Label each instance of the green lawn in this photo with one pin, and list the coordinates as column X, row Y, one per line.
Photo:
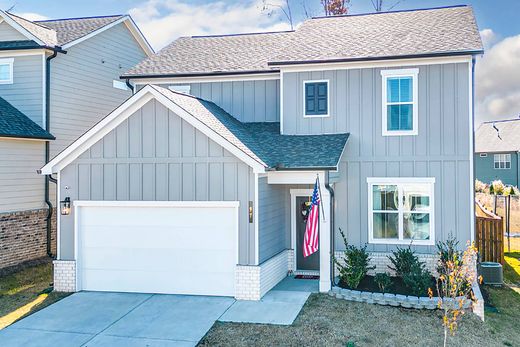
column 26, row 292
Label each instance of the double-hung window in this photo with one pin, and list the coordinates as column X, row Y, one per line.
column 400, row 107
column 401, row 210
column 502, row 161
column 6, row 71
column 316, row 98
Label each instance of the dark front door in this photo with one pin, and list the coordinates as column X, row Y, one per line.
column 312, row 262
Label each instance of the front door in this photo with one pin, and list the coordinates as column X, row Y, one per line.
column 312, row 262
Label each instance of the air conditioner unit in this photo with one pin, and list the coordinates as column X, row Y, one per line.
column 491, row 273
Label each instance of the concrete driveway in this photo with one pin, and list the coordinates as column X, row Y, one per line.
column 118, row 319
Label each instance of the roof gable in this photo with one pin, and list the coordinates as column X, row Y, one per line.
column 42, row 35
column 498, row 136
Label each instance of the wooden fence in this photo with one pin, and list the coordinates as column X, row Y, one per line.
column 489, row 236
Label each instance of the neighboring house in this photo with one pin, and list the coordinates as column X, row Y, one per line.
column 497, row 144
column 206, row 193
column 57, row 79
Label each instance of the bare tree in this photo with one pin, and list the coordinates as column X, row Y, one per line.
column 285, row 7
column 335, row 7
column 379, row 5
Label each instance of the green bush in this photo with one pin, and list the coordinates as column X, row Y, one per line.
column 354, row 265
column 403, row 260
column 383, row 281
column 447, row 251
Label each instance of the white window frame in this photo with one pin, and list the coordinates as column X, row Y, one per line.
column 502, row 158
column 399, row 182
column 328, row 99
column 483, row 155
column 414, row 74
column 10, row 63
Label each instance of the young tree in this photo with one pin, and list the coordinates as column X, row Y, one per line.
column 284, row 6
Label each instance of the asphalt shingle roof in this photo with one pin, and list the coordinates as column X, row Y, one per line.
column 20, row 44
column 263, row 141
column 448, row 30
column 14, row 123
column 68, row 30
column 498, row 136
column 44, row 33
column 213, row 54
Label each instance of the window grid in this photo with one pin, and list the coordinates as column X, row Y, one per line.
column 502, row 161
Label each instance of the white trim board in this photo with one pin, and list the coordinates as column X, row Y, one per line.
column 204, row 79
column 368, row 64
column 294, row 194
column 124, row 111
column 129, row 24
column 304, row 99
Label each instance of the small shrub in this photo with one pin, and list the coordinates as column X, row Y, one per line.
column 383, row 281
column 497, row 187
column 481, row 187
column 403, row 260
column 355, row 264
column 418, row 280
column 447, row 251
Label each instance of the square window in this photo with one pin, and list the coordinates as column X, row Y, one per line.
column 316, row 98
column 400, row 102
column 6, row 71
column 502, row 161
column 401, row 210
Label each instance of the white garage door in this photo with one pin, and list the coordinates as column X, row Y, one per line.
column 157, row 247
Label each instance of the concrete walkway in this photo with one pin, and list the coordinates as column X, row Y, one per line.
column 279, row 306
column 118, row 319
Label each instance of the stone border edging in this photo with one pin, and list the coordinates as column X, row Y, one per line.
column 387, row 299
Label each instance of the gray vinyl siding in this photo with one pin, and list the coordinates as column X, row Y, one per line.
column 485, row 169
column 21, row 188
column 248, row 101
column 155, row 155
column 81, row 82
column 440, row 150
column 273, row 218
column 8, row 33
column 26, row 92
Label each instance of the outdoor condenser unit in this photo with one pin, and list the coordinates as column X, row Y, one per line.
column 491, row 273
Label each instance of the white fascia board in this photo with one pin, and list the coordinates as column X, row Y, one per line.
column 131, row 27
column 21, row 29
column 376, row 64
column 23, row 52
column 205, row 79
column 294, row 177
column 124, row 111
column 185, row 204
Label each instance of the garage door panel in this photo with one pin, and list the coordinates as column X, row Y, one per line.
column 175, row 250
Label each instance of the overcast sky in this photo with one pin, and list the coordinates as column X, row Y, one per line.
column 498, row 72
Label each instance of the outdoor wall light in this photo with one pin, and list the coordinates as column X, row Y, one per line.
column 65, row 206
column 250, row 212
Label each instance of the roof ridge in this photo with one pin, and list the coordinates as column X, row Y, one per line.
column 501, row 120
column 30, row 21
column 79, row 18
column 394, row 11
column 240, row 34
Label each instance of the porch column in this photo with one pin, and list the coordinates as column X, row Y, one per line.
column 325, row 235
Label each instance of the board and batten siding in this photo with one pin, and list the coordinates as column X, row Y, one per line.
column 441, row 149
column 248, row 101
column 273, row 219
column 26, row 91
column 82, row 89
column 155, row 155
column 8, row 33
column 21, row 188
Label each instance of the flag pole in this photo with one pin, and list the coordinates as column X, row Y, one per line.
column 319, row 192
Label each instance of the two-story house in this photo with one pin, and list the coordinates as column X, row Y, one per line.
column 497, row 144
column 200, row 182
column 57, row 79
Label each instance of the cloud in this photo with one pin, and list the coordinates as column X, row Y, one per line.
column 488, row 37
column 498, row 81
column 162, row 21
column 32, row 16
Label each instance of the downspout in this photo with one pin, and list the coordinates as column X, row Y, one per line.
column 129, row 85
column 332, row 237
column 48, row 178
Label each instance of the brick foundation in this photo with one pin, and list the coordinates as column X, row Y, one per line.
column 253, row 282
column 381, row 261
column 64, row 275
column 23, row 236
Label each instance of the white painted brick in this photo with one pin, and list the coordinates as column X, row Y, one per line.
column 64, row 275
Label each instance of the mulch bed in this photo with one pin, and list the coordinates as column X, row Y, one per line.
column 398, row 287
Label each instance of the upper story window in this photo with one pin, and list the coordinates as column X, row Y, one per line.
column 502, row 161
column 400, row 108
column 316, row 98
column 401, row 210
column 6, row 71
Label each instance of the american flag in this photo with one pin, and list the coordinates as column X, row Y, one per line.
column 310, row 239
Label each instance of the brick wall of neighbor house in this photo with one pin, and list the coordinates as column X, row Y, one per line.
column 64, row 275
column 23, row 236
